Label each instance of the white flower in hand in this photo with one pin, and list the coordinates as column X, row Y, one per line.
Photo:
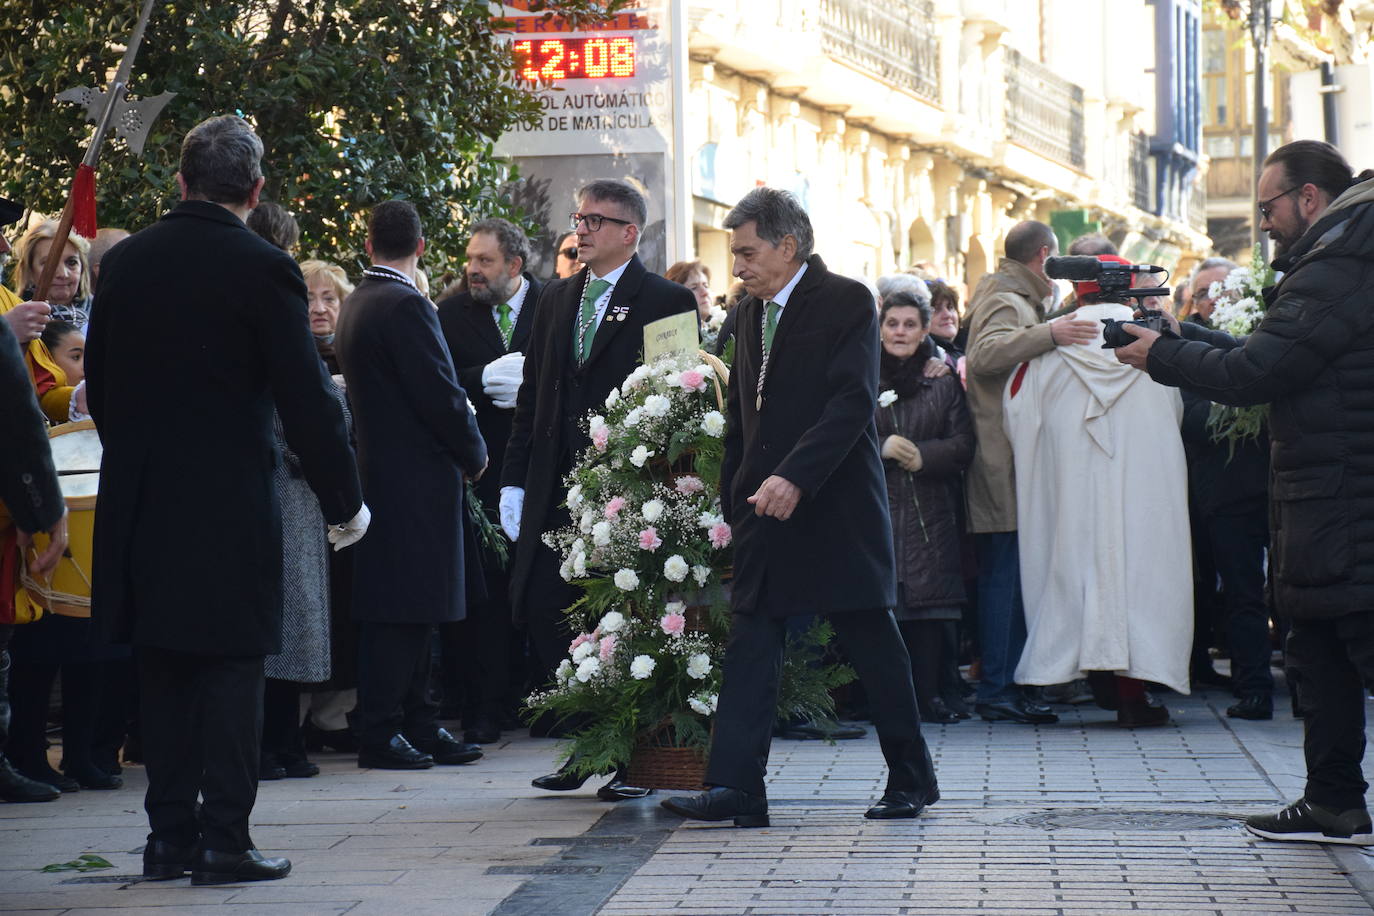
column 887, row 398
column 626, row 580
column 642, row 667
column 698, row 665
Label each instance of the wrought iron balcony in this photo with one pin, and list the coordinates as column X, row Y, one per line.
column 1140, row 172
column 895, row 40
column 1044, row 110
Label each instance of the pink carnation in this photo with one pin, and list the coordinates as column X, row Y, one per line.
column 688, row 485
column 582, row 637
column 692, row 380
column 607, row 648
column 720, row 535
column 649, row 539
column 673, row 624
column 614, row 506
column 601, row 437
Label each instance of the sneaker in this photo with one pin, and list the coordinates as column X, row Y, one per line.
column 1304, row 822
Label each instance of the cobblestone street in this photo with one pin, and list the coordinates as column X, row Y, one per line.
column 1075, row 818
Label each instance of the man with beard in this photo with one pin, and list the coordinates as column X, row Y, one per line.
column 487, row 328
column 1312, row 360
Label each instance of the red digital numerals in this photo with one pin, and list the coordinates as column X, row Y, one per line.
column 574, row 58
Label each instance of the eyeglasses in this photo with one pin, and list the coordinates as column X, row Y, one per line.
column 594, row 221
column 570, row 253
column 1267, row 206
column 1200, row 295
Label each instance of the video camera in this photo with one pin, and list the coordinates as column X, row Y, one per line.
column 1114, row 281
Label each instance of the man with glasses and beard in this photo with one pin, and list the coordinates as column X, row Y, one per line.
column 1312, row 360
column 588, row 336
column 487, row 328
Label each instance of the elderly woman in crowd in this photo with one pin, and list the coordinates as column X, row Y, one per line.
column 927, row 442
column 69, row 296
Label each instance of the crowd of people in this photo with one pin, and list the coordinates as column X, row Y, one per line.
column 1040, row 517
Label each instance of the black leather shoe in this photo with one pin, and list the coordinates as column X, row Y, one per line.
column 269, row 769
column 1144, row 713
column 396, row 754
column 1255, row 706
column 896, row 804
column 721, row 804
column 448, row 750
column 936, row 712
column 565, row 780
column 1014, row 710
column 619, row 790
column 48, row 776
column 16, row 787
column 297, row 767
column 164, row 861
column 211, row 867
column 92, row 777
column 811, row 729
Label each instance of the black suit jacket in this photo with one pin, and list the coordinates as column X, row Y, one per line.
column 202, row 329
column 416, row 439
column 473, row 341
column 557, row 395
column 28, row 482
column 816, row 429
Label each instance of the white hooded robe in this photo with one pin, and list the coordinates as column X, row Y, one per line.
column 1102, row 503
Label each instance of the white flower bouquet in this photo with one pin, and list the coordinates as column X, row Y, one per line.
column 1238, row 311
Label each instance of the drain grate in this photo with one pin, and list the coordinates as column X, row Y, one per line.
column 1116, row 819
column 544, row 870
column 602, row 841
column 103, row 879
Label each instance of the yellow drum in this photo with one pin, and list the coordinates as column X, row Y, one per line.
column 76, row 455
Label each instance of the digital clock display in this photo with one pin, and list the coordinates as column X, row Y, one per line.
column 575, row 58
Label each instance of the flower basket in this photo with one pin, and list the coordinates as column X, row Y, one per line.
column 655, row 767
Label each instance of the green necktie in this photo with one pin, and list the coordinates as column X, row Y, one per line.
column 770, row 325
column 503, row 322
column 586, row 331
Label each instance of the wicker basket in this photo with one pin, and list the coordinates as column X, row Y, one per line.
column 667, row 767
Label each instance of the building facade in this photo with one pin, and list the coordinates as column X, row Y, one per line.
column 923, row 130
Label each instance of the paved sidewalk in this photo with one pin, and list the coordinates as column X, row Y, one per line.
column 1075, row 818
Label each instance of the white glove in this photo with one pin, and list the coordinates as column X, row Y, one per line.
column 501, row 379
column 512, row 504
column 351, row 531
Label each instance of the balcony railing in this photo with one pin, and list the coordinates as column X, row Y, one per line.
column 1140, row 172
column 1044, row 110
column 895, row 40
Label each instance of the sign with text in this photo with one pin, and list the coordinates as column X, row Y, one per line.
column 675, row 336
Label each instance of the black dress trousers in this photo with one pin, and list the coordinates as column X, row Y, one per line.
column 394, row 665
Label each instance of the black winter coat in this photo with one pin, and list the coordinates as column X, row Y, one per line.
column 1312, row 359
column 815, row 430
column 28, row 481
column 926, row 524
column 187, row 524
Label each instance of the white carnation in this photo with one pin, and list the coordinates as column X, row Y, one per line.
column 564, row 672
column 566, row 570
column 676, row 568
column 698, row 665
column 706, row 371
column 626, row 580
column 887, row 398
column 710, row 519
column 633, row 417
column 699, row 706
column 612, row 621
column 656, row 405
column 588, row 668
column 640, row 455
column 601, row 534
column 584, row 524
column 579, row 567
column 585, row 648
column 612, row 398
column 642, row 667
column 713, row 424
column 575, row 497
column 652, row 511
column 596, row 423
column 675, row 607
column 702, row 574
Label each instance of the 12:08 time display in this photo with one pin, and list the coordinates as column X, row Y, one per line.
column 575, row 58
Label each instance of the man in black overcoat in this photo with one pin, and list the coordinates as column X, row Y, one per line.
column 588, row 336
column 417, row 439
column 487, row 327
column 202, row 329
column 802, row 487
column 29, row 494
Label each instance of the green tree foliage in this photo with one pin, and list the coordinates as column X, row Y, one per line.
column 357, row 101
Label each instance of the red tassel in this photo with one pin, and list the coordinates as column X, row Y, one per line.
column 83, row 202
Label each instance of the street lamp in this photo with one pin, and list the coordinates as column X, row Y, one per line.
column 1260, row 20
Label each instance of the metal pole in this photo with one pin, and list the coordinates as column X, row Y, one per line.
column 1259, row 36
column 1330, row 120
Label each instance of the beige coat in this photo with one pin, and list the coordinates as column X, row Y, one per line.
column 1006, row 322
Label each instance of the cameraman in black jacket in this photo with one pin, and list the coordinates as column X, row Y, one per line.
column 1312, row 360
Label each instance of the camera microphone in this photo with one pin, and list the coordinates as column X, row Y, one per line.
column 1088, row 267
